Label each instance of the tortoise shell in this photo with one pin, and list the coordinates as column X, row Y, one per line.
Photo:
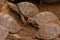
column 28, row 9
column 48, row 31
column 51, row 1
column 3, row 33
column 45, row 17
column 9, row 22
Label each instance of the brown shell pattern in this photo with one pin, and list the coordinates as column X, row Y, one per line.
column 48, row 31
column 28, row 9
column 45, row 17
column 9, row 22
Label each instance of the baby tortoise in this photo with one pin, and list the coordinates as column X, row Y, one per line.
column 3, row 33
column 48, row 31
column 9, row 22
column 50, row 1
column 28, row 9
column 25, row 9
column 42, row 18
column 45, row 17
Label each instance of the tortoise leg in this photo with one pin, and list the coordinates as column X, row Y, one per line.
column 23, row 20
column 30, row 20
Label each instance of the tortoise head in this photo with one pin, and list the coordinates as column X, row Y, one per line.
column 13, row 6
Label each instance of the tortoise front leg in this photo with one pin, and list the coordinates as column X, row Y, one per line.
column 31, row 20
column 23, row 19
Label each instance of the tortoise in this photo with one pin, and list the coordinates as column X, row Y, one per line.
column 48, row 31
column 45, row 17
column 42, row 18
column 9, row 22
column 25, row 9
column 51, row 1
column 3, row 33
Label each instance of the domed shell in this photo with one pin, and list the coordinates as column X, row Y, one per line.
column 45, row 17
column 48, row 31
column 9, row 22
column 28, row 9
